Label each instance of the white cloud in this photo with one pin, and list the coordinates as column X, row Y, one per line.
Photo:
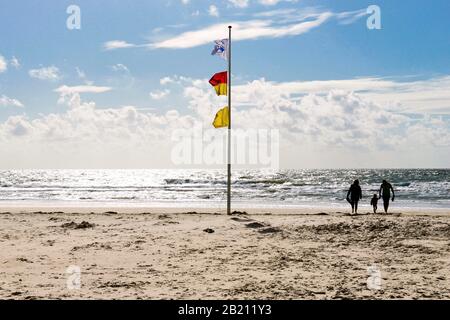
column 159, row 94
column 72, row 94
column 430, row 95
column 9, row 102
column 15, row 62
column 117, row 44
column 418, row 96
column 166, row 80
column 239, row 3
column 350, row 16
column 17, row 126
column 3, row 64
column 185, row 1
column 85, row 136
column 157, row 30
column 120, row 67
column 248, row 30
column 213, row 11
column 269, row 2
column 181, row 80
column 330, row 122
column 340, row 123
column 46, row 73
column 274, row 2
column 269, row 24
column 245, row 3
column 81, row 89
column 82, row 75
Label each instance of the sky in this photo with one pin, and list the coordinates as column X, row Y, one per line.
column 111, row 93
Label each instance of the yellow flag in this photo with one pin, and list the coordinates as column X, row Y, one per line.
column 221, row 119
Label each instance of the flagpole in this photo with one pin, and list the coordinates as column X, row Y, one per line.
column 229, row 124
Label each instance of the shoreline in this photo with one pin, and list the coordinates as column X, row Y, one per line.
column 298, row 210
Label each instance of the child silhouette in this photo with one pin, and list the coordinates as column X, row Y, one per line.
column 374, row 202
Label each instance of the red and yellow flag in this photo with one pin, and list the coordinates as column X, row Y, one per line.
column 220, row 81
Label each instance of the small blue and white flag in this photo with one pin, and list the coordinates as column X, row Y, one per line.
column 221, row 49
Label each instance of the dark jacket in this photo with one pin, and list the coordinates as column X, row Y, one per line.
column 354, row 192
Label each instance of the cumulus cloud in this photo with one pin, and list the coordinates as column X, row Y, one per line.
column 334, row 123
column 396, row 94
column 17, row 126
column 213, row 11
column 429, row 95
column 15, row 62
column 319, row 126
column 165, row 80
column 84, row 136
column 9, row 102
column 159, row 94
column 338, row 118
column 47, row 73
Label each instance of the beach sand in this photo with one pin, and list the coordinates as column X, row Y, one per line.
column 265, row 254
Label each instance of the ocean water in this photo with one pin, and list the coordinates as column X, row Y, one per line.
column 425, row 188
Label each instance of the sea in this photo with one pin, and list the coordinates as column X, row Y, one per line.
column 414, row 188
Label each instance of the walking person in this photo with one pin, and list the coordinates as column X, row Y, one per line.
column 354, row 194
column 374, row 203
column 385, row 194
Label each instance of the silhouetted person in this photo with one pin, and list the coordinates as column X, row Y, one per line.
column 385, row 194
column 354, row 194
column 374, row 203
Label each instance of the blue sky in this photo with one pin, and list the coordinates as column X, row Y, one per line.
column 413, row 47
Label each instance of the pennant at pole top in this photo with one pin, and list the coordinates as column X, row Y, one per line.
column 221, row 49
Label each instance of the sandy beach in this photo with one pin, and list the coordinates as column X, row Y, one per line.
column 190, row 254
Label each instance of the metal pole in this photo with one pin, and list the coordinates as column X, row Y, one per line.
column 229, row 124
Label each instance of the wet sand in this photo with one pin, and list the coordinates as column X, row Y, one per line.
column 264, row 254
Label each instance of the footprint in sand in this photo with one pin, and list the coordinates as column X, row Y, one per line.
column 240, row 219
column 262, row 228
column 255, row 225
column 270, row 230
